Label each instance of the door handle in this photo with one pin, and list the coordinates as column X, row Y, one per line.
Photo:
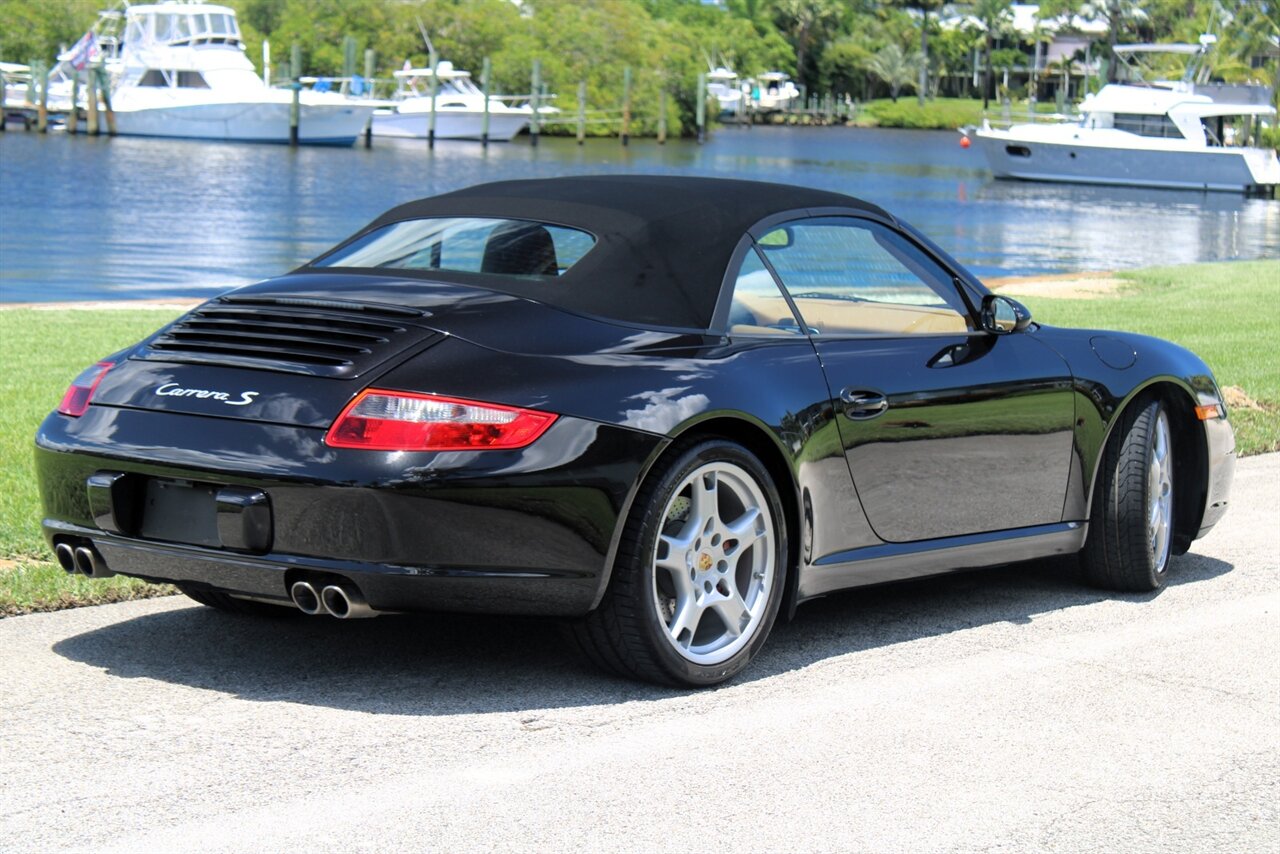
column 860, row 403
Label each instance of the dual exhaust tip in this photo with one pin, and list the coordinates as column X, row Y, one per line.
column 336, row 600
column 81, row 560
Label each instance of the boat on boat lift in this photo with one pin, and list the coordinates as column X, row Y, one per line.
column 1180, row 134
column 459, row 106
column 773, row 92
column 725, row 89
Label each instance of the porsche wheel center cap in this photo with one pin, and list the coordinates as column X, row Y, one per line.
column 704, row 562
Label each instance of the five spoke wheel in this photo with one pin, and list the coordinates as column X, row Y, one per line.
column 714, row 563
column 700, row 570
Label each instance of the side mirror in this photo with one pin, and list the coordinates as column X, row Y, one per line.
column 1002, row 315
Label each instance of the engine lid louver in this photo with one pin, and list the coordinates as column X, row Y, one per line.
column 317, row 337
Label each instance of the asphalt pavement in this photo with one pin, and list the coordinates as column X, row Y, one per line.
column 1005, row 710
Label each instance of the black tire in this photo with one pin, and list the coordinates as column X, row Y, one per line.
column 221, row 601
column 1119, row 553
column 627, row 635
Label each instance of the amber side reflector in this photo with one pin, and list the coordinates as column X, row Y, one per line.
column 1209, row 411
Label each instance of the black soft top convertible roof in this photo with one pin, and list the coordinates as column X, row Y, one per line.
column 663, row 242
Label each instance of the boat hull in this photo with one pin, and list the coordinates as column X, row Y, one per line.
column 318, row 124
column 1027, row 159
column 503, row 127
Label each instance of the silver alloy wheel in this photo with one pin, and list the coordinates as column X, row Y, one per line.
column 714, row 563
column 1160, row 494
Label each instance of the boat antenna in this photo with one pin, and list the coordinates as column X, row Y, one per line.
column 422, row 28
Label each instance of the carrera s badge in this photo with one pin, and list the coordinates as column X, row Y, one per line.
column 175, row 390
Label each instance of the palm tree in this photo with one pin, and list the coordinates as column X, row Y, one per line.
column 805, row 22
column 924, row 7
column 1114, row 12
column 895, row 67
column 993, row 15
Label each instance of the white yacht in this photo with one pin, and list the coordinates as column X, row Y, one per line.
column 1164, row 134
column 459, row 108
column 724, row 88
column 179, row 69
column 774, row 92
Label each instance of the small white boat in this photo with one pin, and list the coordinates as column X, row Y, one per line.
column 20, row 92
column 724, row 88
column 1162, row 134
column 179, row 70
column 774, row 91
column 17, row 83
column 459, row 108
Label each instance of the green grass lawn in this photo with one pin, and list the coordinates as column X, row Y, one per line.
column 44, row 351
column 1228, row 313
column 937, row 113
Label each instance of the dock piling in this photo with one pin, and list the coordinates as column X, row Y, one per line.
column 349, row 48
column 91, row 101
column 662, row 116
column 582, row 111
column 73, row 118
column 370, row 69
column 42, row 110
column 295, row 108
column 626, row 105
column 486, row 70
column 534, row 104
column 434, row 88
column 702, row 108
column 105, row 87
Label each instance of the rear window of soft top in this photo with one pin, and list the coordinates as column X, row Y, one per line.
column 497, row 247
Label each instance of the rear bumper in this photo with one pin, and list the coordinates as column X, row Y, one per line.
column 521, row 532
column 1220, row 445
column 386, row 587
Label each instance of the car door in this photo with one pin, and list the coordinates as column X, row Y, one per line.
column 947, row 430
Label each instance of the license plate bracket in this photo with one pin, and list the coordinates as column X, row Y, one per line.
column 180, row 511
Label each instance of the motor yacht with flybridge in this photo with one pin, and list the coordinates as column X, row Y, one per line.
column 178, row 69
column 1183, row 134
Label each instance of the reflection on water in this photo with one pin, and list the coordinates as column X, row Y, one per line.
column 88, row 218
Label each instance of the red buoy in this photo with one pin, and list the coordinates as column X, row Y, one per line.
column 964, row 142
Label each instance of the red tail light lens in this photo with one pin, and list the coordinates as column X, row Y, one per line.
column 76, row 400
column 380, row 420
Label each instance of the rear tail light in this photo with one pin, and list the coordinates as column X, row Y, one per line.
column 380, row 420
column 80, row 393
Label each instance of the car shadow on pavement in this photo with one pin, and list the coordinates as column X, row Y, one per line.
column 448, row 664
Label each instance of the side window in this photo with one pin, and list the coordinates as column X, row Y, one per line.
column 852, row 276
column 758, row 307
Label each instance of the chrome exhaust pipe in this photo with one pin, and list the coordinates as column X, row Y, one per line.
column 306, row 598
column 344, row 603
column 90, row 564
column 66, row 558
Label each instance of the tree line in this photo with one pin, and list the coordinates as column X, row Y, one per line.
column 857, row 48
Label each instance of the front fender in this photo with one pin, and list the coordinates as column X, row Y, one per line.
column 1110, row 371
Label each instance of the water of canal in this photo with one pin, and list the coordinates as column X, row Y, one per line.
column 84, row 218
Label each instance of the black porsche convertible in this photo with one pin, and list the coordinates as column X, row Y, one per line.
column 663, row 408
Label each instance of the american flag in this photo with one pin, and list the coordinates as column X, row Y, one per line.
column 81, row 53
